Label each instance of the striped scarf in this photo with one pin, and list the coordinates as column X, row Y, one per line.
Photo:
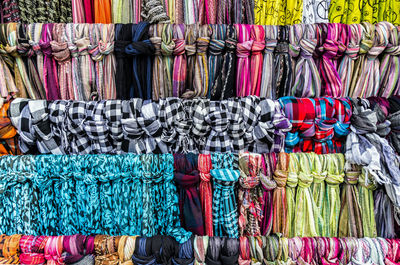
column 201, row 71
column 204, row 167
column 180, row 62
column 256, row 63
column 318, row 190
column 291, row 184
column 279, row 195
column 243, row 50
column 191, row 35
column 267, row 78
column 215, row 60
column 268, row 164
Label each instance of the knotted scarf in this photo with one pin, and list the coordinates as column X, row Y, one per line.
column 291, row 185
column 257, row 35
column 230, row 251
column 213, row 254
column 307, row 81
column 256, row 250
column 191, row 35
column 335, row 176
column 140, row 49
column 187, row 179
column 268, row 164
column 267, row 76
column 243, row 50
column 154, row 12
column 347, row 65
column 180, row 60
column 10, row 249
column 333, row 48
column 215, row 60
column 279, row 196
column 389, row 76
column 365, row 189
column 243, row 12
column 51, row 85
column 8, row 133
column 32, row 249
column 384, row 215
column 158, row 66
column 126, row 248
column 10, row 11
column 201, row 75
column 224, row 84
column 79, row 249
column 62, row 55
column 244, row 250
column 224, row 202
column 204, row 167
column 249, row 194
column 8, row 87
column 106, row 249
column 53, row 250
column 200, row 246
column 392, row 256
column 184, row 254
column 282, row 65
column 143, row 251
column 307, row 212
column 123, row 75
column 167, row 48
column 350, row 220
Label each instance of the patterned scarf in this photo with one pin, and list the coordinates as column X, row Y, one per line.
column 187, row 179
column 123, row 75
column 279, row 196
column 201, row 80
column 243, row 50
column 204, row 167
column 8, row 133
column 291, row 184
column 9, row 246
column 267, row 79
column 32, row 249
column 126, row 248
column 282, row 65
column 257, row 35
column 268, row 163
column 215, row 60
column 79, row 249
column 106, row 249
column 180, row 62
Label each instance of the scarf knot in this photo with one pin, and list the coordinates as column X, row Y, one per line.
column 305, row 180
column 331, row 48
column 270, row 46
column 11, row 49
column 366, row 181
column 45, row 46
column 60, row 51
column 180, row 47
column 202, row 45
column 393, row 50
column 319, row 177
column 156, row 41
column 230, row 44
column 352, row 51
column 190, row 49
column 200, row 246
column 292, row 180
column 105, row 249
column 144, row 47
column 82, row 46
column 307, row 47
column 9, row 249
column 167, row 48
column 53, row 250
column 258, row 47
column 282, row 47
column 334, row 179
column 281, row 177
column 294, row 50
column 267, row 183
column 243, row 49
column 32, row 249
column 216, row 47
column 126, row 247
column 365, row 45
column 119, row 48
column 25, row 49
column 351, row 177
column 375, row 51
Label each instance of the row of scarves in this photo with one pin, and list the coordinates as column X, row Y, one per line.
column 123, row 61
column 138, row 126
column 103, row 250
column 373, row 144
column 92, row 194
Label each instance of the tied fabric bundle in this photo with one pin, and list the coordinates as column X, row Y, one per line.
column 268, row 165
column 280, row 176
column 106, row 249
column 53, row 250
column 318, row 125
column 8, row 133
column 9, row 249
column 249, row 195
column 94, row 198
column 79, row 249
column 187, row 179
column 32, row 249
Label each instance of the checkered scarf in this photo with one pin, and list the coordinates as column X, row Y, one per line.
column 113, row 116
column 175, row 118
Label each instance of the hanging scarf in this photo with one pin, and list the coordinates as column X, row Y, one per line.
column 201, row 76
column 78, row 12
column 180, row 62
column 143, row 252
column 126, row 248
column 158, row 65
column 10, row 11
column 334, row 46
column 32, row 249
column 215, row 60
column 350, row 221
column 53, row 250
column 102, row 11
column 243, row 50
column 141, row 49
column 191, row 34
column 28, row 56
column 214, row 250
column 307, row 79
column 62, row 55
column 35, row 33
column 384, row 215
column 305, row 218
column 291, row 184
column 249, row 195
column 335, row 167
column 20, row 70
column 282, row 66
column 319, row 172
column 123, row 75
column 243, row 12
column 389, row 76
column 122, row 11
column 167, row 48
column 268, row 163
column 279, row 194
column 187, row 178
column 224, row 84
column 224, row 201
column 8, row 87
column 230, row 251
column 106, row 249
column 10, row 249
column 365, row 189
column 244, row 250
column 256, row 62
column 153, row 12
column 204, row 167
column 185, row 254
column 79, row 249
column 200, row 246
column 347, row 65
column 8, row 133
column 267, row 78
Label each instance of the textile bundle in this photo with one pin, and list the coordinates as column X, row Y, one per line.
column 103, row 249
column 138, row 126
column 157, row 61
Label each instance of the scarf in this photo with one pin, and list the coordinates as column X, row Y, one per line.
column 318, row 190
column 215, row 60
column 185, row 254
column 279, row 194
column 10, row 249
column 121, row 11
column 8, row 133
column 243, row 50
column 257, row 35
column 126, row 248
column 180, row 62
column 187, row 179
column 123, row 74
column 200, row 246
column 268, row 163
column 291, row 184
column 102, row 11
column 282, row 66
column 230, row 251
column 158, row 65
column 8, row 87
column 106, row 249
column 79, row 249
column 204, row 167
column 213, row 254
column 307, row 81
column 53, row 250
column 250, row 195
column 384, row 215
column 201, row 71
column 10, row 11
column 191, row 35
column 32, row 249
